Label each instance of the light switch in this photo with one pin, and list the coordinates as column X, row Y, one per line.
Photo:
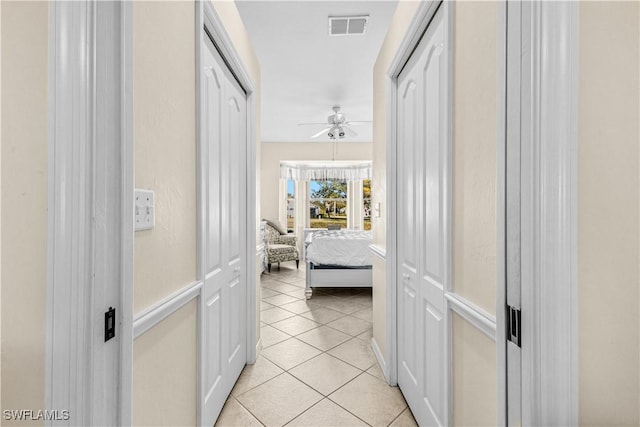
column 145, row 210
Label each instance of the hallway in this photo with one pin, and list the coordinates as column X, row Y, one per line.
column 316, row 367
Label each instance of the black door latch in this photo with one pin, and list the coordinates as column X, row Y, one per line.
column 109, row 324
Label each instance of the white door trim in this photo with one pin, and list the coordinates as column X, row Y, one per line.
column 418, row 26
column 89, row 257
column 549, row 194
column 128, row 238
column 501, row 296
column 206, row 16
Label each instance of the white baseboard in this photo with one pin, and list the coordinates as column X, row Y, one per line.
column 258, row 350
column 380, row 359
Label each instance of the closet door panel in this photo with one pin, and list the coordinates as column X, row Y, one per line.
column 422, row 197
column 224, row 292
column 235, row 211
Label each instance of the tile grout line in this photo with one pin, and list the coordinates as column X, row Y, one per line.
column 349, row 336
column 247, row 409
column 346, row 409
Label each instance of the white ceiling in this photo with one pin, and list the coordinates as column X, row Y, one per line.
column 305, row 71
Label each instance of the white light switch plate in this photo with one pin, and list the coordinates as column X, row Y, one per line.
column 145, row 210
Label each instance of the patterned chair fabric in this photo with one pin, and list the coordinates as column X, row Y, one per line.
column 280, row 248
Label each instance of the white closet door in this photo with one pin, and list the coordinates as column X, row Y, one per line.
column 422, row 197
column 223, row 301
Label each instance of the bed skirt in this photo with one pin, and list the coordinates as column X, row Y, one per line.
column 335, row 276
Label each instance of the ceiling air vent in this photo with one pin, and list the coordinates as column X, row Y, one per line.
column 347, row 25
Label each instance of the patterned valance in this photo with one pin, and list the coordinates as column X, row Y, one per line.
column 337, row 170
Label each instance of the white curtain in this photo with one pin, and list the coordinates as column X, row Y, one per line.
column 337, row 170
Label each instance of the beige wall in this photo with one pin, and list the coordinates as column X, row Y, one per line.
column 164, row 358
column 608, row 214
column 274, row 152
column 165, row 146
column 397, row 28
column 24, row 200
column 151, row 373
column 475, row 103
column 165, row 383
column 474, row 375
column 475, row 93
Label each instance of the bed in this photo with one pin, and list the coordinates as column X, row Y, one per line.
column 337, row 258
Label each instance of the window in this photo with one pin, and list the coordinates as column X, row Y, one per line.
column 366, row 204
column 328, row 203
column 291, row 206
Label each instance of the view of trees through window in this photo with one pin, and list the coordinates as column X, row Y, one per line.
column 366, row 201
column 291, row 205
column 328, row 203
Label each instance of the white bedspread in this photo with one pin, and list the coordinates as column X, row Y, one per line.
column 339, row 247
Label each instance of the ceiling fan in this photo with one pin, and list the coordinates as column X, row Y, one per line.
column 336, row 126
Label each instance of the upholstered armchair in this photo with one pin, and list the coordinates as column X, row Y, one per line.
column 280, row 246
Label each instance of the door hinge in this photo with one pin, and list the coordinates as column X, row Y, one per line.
column 513, row 325
column 109, row 324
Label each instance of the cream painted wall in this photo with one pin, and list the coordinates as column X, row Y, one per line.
column 608, row 214
column 405, row 12
column 24, row 51
column 165, row 146
column 165, row 384
column 474, row 376
column 164, row 361
column 152, row 373
column 475, row 93
column 474, row 232
column 274, row 152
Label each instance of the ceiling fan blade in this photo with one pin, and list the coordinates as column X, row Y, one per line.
column 321, row 132
column 358, row 123
column 349, row 131
column 312, row 124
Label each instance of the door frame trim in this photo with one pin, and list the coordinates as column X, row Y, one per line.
column 501, row 219
column 67, row 269
column 549, row 194
column 207, row 16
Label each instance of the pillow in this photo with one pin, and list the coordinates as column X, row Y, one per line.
column 276, row 225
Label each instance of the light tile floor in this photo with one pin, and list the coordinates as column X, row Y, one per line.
column 316, row 367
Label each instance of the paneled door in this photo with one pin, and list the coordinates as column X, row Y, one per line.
column 423, row 145
column 223, row 308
